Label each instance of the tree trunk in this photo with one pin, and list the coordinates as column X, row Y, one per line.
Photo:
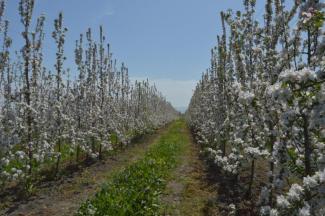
column 307, row 146
column 251, row 179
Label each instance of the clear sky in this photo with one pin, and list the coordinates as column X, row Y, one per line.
column 168, row 41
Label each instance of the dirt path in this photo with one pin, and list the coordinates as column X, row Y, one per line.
column 65, row 196
column 189, row 192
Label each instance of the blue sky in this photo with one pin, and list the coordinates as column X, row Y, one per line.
column 168, row 41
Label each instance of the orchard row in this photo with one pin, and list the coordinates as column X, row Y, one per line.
column 48, row 119
column 262, row 102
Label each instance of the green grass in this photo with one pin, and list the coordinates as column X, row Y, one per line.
column 136, row 190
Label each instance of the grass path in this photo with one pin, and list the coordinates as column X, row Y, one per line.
column 189, row 191
column 65, row 196
column 161, row 175
column 171, row 179
column 137, row 189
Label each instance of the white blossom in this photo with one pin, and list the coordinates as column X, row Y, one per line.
column 305, row 211
column 282, row 202
column 295, row 192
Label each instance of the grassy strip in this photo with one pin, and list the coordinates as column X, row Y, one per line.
column 136, row 190
column 189, row 192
